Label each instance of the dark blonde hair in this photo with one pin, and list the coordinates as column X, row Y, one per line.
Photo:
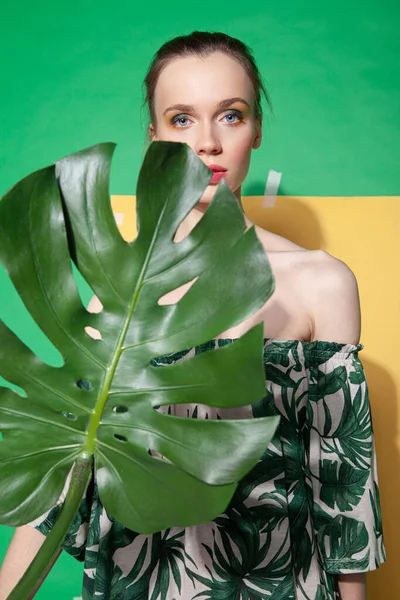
column 203, row 43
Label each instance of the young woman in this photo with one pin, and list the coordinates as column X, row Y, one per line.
column 305, row 523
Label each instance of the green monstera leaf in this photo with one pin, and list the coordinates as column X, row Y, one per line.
column 341, row 484
column 343, row 545
column 99, row 409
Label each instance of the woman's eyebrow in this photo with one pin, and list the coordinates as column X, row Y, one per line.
column 229, row 101
column 180, row 107
column 189, row 108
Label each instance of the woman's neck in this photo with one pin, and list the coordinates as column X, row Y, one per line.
column 196, row 214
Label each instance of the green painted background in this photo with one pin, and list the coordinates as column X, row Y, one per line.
column 71, row 76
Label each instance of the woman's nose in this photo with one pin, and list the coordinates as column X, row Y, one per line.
column 208, row 141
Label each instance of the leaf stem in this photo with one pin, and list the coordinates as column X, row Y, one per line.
column 40, row 565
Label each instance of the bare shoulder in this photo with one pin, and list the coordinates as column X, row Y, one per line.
column 315, row 267
column 331, row 290
column 322, row 271
column 316, row 288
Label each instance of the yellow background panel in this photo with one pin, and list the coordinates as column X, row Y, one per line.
column 364, row 233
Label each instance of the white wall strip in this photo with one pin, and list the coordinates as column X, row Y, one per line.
column 271, row 189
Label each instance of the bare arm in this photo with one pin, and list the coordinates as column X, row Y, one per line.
column 352, row 587
column 331, row 287
column 23, row 548
column 336, row 318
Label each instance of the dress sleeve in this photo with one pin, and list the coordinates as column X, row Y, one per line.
column 342, row 462
column 76, row 538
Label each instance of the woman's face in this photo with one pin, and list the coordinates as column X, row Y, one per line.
column 208, row 103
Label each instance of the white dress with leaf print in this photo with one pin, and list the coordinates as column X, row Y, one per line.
column 307, row 511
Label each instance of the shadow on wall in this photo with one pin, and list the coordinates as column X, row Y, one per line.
column 283, row 219
column 384, row 402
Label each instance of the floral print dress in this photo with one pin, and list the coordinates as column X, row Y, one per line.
column 307, row 511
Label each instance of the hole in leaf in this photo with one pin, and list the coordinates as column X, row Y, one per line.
column 177, row 294
column 122, row 438
column 1, row 437
column 120, row 409
column 156, row 454
column 84, row 384
column 93, row 333
column 202, row 411
column 69, row 415
column 95, row 307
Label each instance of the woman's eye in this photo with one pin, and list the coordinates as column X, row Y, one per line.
column 233, row 117
column 180, row 121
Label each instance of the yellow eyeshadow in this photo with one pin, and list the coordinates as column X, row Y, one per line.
column 242, row 107
column 168, row 119
column 243, row 117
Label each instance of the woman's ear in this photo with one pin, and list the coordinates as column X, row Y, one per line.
column 152, row 133
column 257, row 134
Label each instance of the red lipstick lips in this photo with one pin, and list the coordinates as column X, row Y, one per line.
column 219, row 173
